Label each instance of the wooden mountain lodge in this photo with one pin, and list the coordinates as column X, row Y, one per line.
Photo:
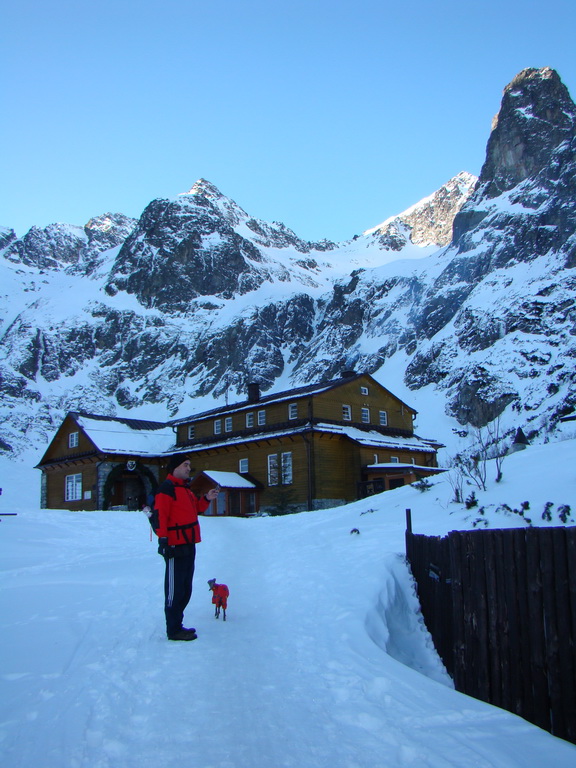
column 308, row 448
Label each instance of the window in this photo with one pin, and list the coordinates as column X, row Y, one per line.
column 218, row 427
column 394, row 460
column 366, row 415
column 280, row 468
column 228, row 424
column 73, row 490
column 249, row 420
column 191, row 432
column 273, row 469
column 346, row 413
column 375, row 458
column 383, row 418
column 287, row 468
column 293, row 411
column 73, row 440
column 363, row 390
column 261, row 418
column 243, row 466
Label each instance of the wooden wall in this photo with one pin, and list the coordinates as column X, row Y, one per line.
column 56, row 485
column 328, row 405
column 325, row 405
column 501, row 608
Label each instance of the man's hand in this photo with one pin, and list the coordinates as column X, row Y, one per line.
column 164, row 549
column 212, row 494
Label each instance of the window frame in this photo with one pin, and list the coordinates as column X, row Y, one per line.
column 73, row 485
column 273, row 470
column 286, row 468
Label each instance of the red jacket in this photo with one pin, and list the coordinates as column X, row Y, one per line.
column 220, row 594
column 178, row 510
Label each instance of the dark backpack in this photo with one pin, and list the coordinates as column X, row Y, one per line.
column 150, row 511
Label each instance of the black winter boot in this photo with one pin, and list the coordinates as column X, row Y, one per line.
column 183, row 634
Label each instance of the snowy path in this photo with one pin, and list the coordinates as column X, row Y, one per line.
column 298, row 677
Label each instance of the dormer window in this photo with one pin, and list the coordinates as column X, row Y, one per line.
column 261, row 418
column 293, row 411
column 218, row 427
column 190, row 432
column 73, row 440
column 249, row 420
column 228, row 424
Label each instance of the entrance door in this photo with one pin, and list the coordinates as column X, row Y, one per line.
column 133, row 491
column 221, row 503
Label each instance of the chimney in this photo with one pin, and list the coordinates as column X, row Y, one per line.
column 348, row 374
column 253, row 392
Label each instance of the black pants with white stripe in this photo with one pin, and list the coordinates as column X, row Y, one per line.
column 178, row 587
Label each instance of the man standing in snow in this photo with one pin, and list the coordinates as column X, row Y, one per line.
column 178, row 533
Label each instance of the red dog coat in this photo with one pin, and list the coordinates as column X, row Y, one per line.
column 220, row 594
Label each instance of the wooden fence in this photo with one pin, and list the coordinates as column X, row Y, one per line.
column 501, row 608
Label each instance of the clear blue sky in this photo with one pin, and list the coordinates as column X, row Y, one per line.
column 328, row 115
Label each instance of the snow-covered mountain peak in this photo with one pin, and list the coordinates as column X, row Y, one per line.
column 430, row 220
column 536, row 116
column 227, row 208
column 206, row 189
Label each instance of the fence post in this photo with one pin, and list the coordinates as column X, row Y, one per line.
column 409, row 538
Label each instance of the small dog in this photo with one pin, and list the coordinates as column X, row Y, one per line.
column 220, row 594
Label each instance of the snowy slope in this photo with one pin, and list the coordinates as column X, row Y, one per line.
column 323, row 662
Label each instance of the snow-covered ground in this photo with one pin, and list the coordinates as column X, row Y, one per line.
column 324, row 661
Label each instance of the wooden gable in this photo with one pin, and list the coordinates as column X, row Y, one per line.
column 364, row 396
column 362, row 393
column 65, row 447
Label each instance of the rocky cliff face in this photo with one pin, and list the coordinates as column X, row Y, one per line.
column 473, row 289
column 490, row 320
column 203, row 244
column 62, row 245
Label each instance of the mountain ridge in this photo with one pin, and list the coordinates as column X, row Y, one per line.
column 198, row 298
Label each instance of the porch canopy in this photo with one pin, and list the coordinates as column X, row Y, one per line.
column 238, row 495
